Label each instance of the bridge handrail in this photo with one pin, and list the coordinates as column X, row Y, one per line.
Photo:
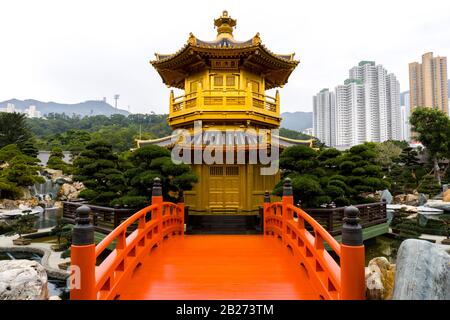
column 343, row 280
column 318, row 229
column 121, row 229
column 91, row 282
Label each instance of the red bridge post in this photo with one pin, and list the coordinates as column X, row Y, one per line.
column 352, row 257
column 180, row 205
column 288, row 198
column 266, row 210
column 157, row 199
column 82, row 278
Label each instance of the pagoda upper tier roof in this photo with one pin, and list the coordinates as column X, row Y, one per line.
column 196, row 54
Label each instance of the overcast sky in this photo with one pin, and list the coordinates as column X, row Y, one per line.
column 75, row 50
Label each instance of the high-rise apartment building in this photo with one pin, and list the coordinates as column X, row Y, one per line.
column 324, row 117
column 405, row 114
column 366, row 108
column 428, row 83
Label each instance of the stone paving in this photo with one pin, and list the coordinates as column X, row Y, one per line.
column 50, row 259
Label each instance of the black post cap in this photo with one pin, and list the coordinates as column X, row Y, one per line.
column 157, row 189
column 351, row 229
column 267, row 197
column 181, row 198
column 287, row 187
column 83, row 231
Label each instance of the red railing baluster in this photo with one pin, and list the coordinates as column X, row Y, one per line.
column 89, row 282
column 338, row 282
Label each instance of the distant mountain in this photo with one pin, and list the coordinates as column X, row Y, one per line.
column 297, row 120
column 87, row 108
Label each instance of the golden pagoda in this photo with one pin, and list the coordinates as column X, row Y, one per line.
column 225, row 83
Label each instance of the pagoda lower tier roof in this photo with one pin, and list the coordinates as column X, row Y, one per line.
column 238, row 139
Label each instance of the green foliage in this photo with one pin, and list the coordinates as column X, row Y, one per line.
column 429, row 186
column 55, row 161
column 4, row 228
column 63, row 231
column 293, row 134
column 388, row 152
column 29, row 148
column 22, row 225
column 13, row 129
column 16, row 170
column 127, row 179
column 153, row 161
column 97, row 167
column 432, row 128
column 74, row 133
column 406, row 172
column 132, row 201
column 330, row 175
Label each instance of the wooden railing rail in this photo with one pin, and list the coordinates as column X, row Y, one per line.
column 332, row 219
column 104, row 219
column 104, row 281
column 305, row 238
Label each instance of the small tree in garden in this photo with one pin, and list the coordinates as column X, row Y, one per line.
column 325, row 176
column 432, row 128
column 429, row 186
column 62, row 231
column 23, row 224
column 55, row 161
column 98, row 168
column 127, row 179
column 149, row 162
column 407, row 172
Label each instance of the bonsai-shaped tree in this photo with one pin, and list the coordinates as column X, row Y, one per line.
column 404, row 226
column 321, row 178
column 98, row 168
column 147, row 163
column 432, row 128
column 55, row 161
column 16, row 170
column 406, row 172
column 429, row 186
column 22, row 225
column 62, row 231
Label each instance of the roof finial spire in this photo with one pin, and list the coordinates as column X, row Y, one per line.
column 224, row 25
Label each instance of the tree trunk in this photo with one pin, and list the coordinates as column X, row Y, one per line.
column 436, row 170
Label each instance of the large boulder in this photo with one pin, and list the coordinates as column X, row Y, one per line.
column 66, row 191
column 423, row 272
column 54, row 173
column 379, row 279
column 22, row 280
column 386, row 196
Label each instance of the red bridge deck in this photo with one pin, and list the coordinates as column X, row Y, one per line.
column 156, row 261
column 219, row 267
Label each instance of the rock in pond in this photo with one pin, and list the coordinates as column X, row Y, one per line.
column 423, row 272
column 22, row 280
column 379, row 279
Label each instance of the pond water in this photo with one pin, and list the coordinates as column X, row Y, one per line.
column 382, row 246
column 56, row 287
column 49, row 218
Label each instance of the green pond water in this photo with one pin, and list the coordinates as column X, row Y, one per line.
column 382, row 246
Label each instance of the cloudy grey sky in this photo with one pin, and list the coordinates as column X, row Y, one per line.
column 76, row 50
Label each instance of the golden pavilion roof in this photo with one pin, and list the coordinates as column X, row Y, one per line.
column 250, row 54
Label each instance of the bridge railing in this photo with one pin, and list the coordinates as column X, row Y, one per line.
column 151, row 225
column 342, row 279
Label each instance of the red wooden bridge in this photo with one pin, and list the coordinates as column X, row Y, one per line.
column 157, row 261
